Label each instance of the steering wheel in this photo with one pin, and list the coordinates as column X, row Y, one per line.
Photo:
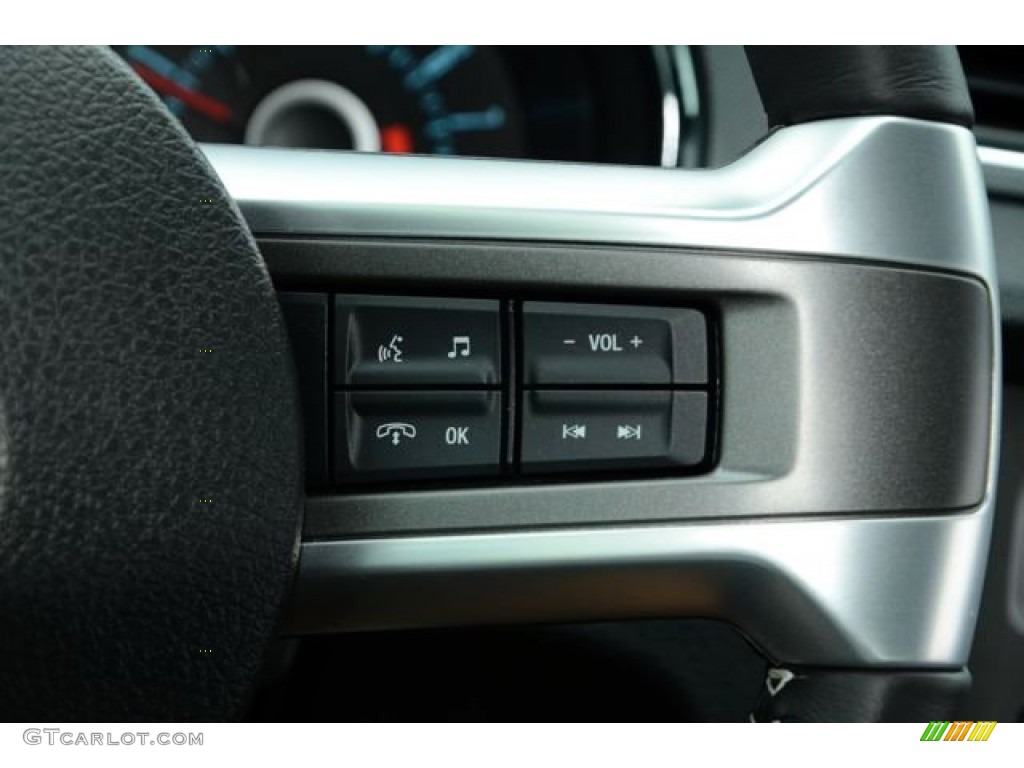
column 152, row 441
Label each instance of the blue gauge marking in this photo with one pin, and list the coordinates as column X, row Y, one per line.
column 398, row 56
column 490, row 119
column 160, row 64
column 437, row 65
column 201, row 58
column 432, row 103
column 187, row 74
column 422, row 78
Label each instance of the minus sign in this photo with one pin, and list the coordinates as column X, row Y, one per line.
column 569, row 341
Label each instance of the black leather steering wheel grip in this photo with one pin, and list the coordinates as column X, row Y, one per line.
column 802, row 83
column 150, row 461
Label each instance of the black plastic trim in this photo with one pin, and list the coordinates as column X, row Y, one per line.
column 811, row 418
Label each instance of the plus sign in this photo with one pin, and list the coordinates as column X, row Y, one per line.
column 636, row 341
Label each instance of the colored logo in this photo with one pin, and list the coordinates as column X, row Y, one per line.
column 958, row 731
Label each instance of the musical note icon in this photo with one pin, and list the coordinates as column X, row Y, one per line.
column 460, row 346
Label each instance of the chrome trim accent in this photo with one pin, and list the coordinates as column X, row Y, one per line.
column 869, row 590
column 339, row 101
column 680, row 105
column 901, row 592
column 671, row 112
column 691, row 135
column 810, row 189
column 1004, row 171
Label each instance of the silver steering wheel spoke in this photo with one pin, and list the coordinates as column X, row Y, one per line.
column 849, row 266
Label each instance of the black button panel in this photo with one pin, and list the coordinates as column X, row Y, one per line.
column 590, row 344
column 445, row 388
column 579, row 430
column 388, row 341
column 416, row 435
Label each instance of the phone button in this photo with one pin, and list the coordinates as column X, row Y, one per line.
column 412, row 342
column 416, row 435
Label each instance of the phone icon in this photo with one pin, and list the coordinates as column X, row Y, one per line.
column 396, row 430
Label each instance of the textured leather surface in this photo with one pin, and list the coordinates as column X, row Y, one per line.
column 828, row 696
column 123, row 594
column 799, row 84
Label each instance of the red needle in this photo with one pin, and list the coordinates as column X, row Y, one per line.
column 396, row 138
column 198, row 102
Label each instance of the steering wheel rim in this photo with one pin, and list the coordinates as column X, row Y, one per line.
column 150, row 492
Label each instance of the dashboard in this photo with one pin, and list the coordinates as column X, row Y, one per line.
column 636, row 105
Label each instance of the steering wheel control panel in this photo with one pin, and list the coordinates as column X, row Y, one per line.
column 402, row 388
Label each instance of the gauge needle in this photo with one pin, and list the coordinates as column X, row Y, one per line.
column 396, row 138
column 198, row 102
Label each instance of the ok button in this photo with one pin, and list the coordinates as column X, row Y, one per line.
column 409, row 435
column 456, row 435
